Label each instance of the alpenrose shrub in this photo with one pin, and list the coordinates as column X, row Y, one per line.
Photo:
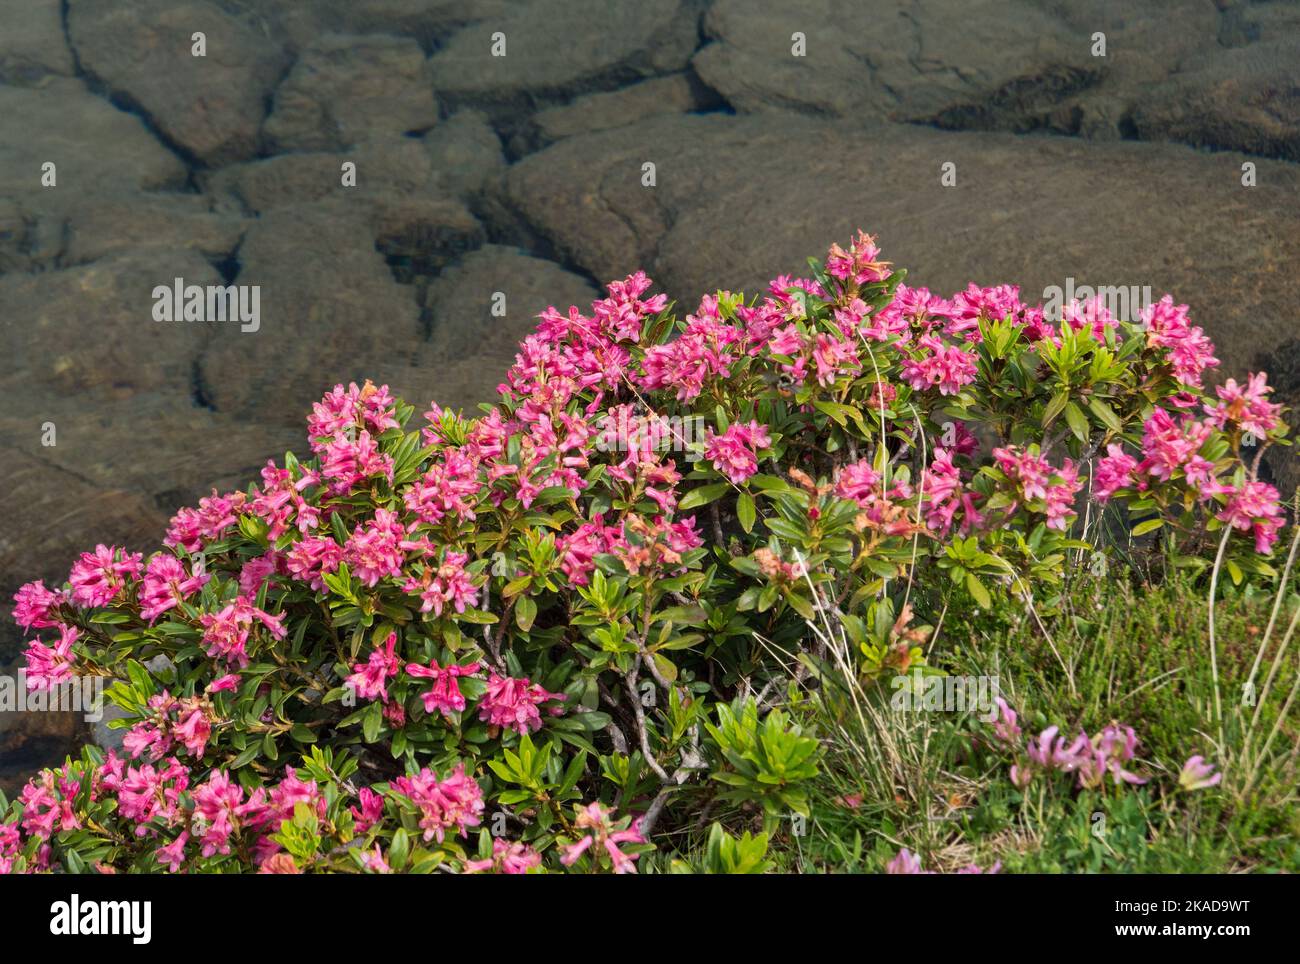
column 516, row 642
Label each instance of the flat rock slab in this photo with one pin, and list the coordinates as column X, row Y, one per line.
column 739, row 200
column 211, row 106
column 344, row 90
column 59, row 121
column 557, row 48
column 32, row 45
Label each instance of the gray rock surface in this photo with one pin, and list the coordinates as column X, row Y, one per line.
column 1244, row 98
column 464, row 153
column 1029, row 211
column 344, row 90
column 32, row 45
column 673, row 94
column 210, row 107
column 58, row 121
column 556, row 48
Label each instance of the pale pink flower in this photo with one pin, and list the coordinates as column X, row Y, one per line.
column 1197, row 774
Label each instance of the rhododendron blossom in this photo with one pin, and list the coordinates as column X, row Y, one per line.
column 735, row 452
column 304, row 658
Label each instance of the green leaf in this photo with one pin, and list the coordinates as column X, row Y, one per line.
column 525, row 613
column 372, row 721
column 745, row 511
column 1105, row 414
column 1078, row 421
column 977, row 590
column 1054, row 407
column 703, row 495
column 1151, row 525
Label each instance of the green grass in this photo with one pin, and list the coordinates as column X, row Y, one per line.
column 1111, row 651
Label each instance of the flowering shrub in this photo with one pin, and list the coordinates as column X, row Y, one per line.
column 502, row 643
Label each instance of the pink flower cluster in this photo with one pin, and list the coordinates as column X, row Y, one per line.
column 945, row 367
column 445, row 696
column 226, row 632
column 456, row 802
column 1172, row 450
column 167, row 585
column 734, row 453
column 1188, row 349
column 369, row 679
column 601, row 834
column 905, row 862
column 445, row 586
column 513, row 703
column 1092, row 758
column 187, row 721
column 1044, row 488
column 508, row 857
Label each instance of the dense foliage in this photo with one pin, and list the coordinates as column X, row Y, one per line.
column 519, row 641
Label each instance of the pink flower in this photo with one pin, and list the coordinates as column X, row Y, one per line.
column 172, row 855
column 451, row 486
column 1188, row 350
column 734, row 452
column 1113, row 472
column 166, row 585
column 455, row 802
column 1198, row 775
column 602, row 835
column 313, row 558
column 214, row 516
column 1037, row 482
column 578, row 550
column 99, row 577
column 193, row 729
column 227, row 683
column 975, row 869
column 48, row 666
column 445, row 695
column 945, row 495
column 946, row 367
column 217, row 805
column 1092, row 314
column 859, row 265
column 834, row 357
column 1169, row 445
column 905, row 862
column 858, row 481
column 1247, row 407
column 258, row 571
column 35, row 604
column 375, row 548
column 369, row 679
column 1006, row 730
column 1254, row 508
column 449, row 585
column 508, row 857
column 226, row 632
column 704, row 350
column 371, row 812
column 512, row 703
